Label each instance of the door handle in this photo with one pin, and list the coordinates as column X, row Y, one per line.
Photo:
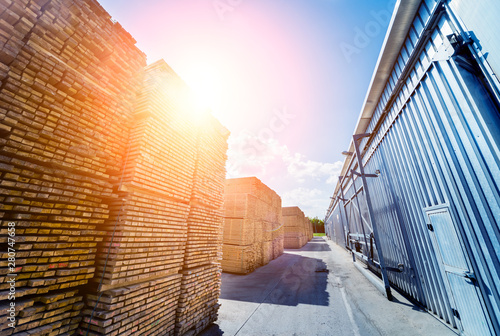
column 470, row 275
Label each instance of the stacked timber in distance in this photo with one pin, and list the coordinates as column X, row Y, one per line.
column 253, row 230
column 68, row 82
column 309, row 229
column 298, row 229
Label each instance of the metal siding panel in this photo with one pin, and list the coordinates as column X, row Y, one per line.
column 424, row 14
column 472, row 125
column 419, row 25
column 430, row 4
column 422, row 170
column 421, row 107
column 405, row 55
column 388, row 219
column 401, row 64
column 413, row 36
column 411, row 202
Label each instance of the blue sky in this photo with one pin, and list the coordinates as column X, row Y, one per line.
column 286, row 77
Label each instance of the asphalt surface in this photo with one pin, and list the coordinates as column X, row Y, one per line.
column 315, row 290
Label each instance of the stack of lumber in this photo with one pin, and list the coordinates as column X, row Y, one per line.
column 278, row 235
column 200, row 289
column 68, row 82
column 54, row 314
column 146, row 232
column 309, row 229
column 253, row 232
column 113, row 183
column 297, row 228
column 198, row 302
column 147, row 308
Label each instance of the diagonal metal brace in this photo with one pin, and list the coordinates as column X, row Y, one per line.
column 360, row 136
column 371, row 214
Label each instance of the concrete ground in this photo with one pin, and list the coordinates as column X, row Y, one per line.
column 315, row 291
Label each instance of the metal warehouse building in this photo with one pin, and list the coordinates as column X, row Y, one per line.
column 419, row 195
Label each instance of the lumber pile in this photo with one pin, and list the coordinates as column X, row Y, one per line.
column 113, row 181
column 146, row 308
column 253, row 230
column 168, row 220
column 68, row 82
column 298, row 229
column 56, row 313
column 198, row 303
column 201, row 271
column 309, row 229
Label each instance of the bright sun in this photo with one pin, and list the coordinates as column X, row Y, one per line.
column 205, row 82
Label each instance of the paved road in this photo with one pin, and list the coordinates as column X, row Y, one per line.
column 315, row 291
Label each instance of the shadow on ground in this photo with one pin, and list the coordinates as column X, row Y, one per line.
column 213, row 330
column 316, row 244
column 290, row 280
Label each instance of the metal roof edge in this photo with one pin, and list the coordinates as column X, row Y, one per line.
column 401, row 21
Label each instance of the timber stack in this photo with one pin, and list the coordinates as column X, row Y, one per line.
column 309, row 229
column 298, row 229
column 201, row 272
column 253, row 230
column 113, row 185
column 69, row 77
column 146, row 234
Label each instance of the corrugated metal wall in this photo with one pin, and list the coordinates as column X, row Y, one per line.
column 438, row 156
column 335, row 226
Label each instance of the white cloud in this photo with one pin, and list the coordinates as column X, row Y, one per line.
column 249, row 155
column 300, row 194
column 312, row 201
column 301, row 168
column 304, row 183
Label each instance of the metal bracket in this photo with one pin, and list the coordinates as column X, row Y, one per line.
column 430, row 227
column 365, row 175
column 444, row 53
column 459, row 42
column 455, row 313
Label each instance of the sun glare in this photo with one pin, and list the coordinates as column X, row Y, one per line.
column 205, row 83
column 212, row 83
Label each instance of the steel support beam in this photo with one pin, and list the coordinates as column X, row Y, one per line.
column 341, row 198
column 383, row 269
column 359, row 211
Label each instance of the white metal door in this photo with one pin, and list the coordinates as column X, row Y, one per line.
column 460, row 278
